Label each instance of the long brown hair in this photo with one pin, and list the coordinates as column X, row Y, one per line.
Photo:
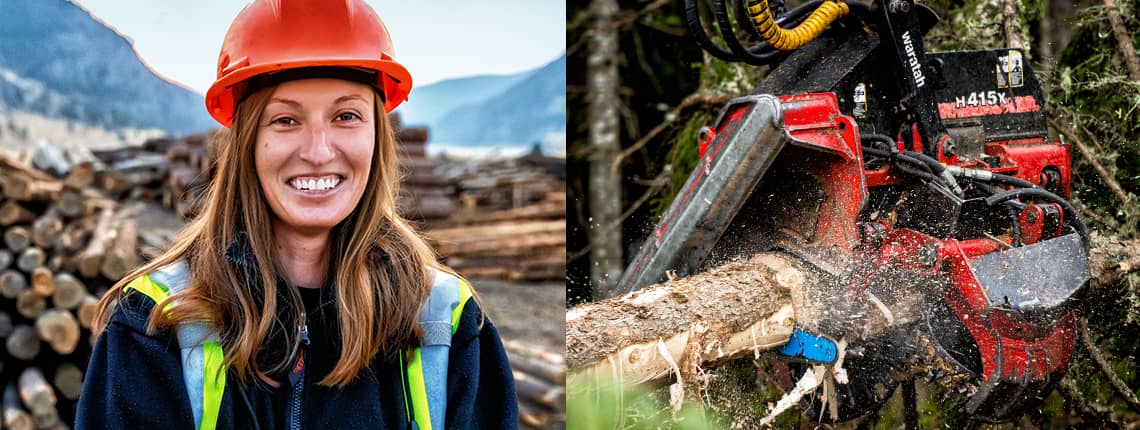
column 378, row 304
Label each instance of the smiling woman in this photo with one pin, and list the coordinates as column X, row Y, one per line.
column 298, row 282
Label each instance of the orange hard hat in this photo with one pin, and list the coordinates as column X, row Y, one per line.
column 270, row 36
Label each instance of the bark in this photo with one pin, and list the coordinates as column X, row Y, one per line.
column 732, row 310
column 1124, row 40
column 13, row 213
column 604, row 185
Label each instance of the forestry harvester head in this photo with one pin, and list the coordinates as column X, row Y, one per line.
column 924, row 186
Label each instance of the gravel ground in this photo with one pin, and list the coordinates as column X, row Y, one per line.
column 532, row 313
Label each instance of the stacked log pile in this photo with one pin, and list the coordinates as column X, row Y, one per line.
column 424, row 195
column 62, row 245
column 511, row 220
column 540, row 380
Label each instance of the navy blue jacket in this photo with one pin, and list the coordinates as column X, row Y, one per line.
column 134, row 380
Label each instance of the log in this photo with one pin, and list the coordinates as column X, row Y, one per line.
column 59, row 329
column 112, row 182
column 47, row 419
column 23, row 343
column 547, row 371
column 534, row 416
column 493, row 231
column 30, row 259
column 547, row 209
column 75, row 235
column 12, row 283
column 12, row 212
column 15, row 417
column 520, row 243
column 81, row 175
column 540, row 392
column 29, row 304
column 72, row 203
column 46, row 229
column 86, row 311
column 6, row 259
column 43, row 281
column 69, row 291
column 123, row 254
column 24, row 188
column 91, row 258
column 741, row 307
column 35, row 391
column 17, row 238
column 68, row 380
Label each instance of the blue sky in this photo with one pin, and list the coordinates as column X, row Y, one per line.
column 435, row 40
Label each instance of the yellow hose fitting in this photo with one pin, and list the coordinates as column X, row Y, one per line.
column 791, row 39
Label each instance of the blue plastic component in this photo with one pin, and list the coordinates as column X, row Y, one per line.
column 806, row 346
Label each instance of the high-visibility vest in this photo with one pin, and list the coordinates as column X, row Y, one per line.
column 424, row 375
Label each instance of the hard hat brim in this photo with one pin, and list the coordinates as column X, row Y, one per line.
column 393, row 80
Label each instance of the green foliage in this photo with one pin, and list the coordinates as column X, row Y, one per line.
column 629, row 407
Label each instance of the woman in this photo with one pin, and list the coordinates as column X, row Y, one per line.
column 298, row 298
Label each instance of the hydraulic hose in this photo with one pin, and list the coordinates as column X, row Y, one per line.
column 1013, row 181
column 919, row 168
column 938, row 169
column 791, row 39
column 757, row 55
column 1074, row 217
column 693, row 20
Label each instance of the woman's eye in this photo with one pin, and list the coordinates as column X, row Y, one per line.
column 347, row 116
column 283, row 121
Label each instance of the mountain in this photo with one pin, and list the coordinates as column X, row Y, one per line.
column 429, row 103
column 530, row 110
column 58, row 61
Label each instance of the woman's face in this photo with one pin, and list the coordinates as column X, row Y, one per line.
column 314, row 151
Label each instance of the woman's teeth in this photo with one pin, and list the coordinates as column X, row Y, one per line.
column 315, row 184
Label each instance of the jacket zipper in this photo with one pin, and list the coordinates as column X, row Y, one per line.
column 297, row 380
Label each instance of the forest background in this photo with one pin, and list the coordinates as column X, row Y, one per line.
column 665, row 88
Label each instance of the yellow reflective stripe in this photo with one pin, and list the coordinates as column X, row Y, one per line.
column 214, row 385
column 464, row 294
column 419, row 391
column 145, row 285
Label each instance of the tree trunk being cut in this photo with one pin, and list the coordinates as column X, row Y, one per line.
column 741, row 307
column 744, row 306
